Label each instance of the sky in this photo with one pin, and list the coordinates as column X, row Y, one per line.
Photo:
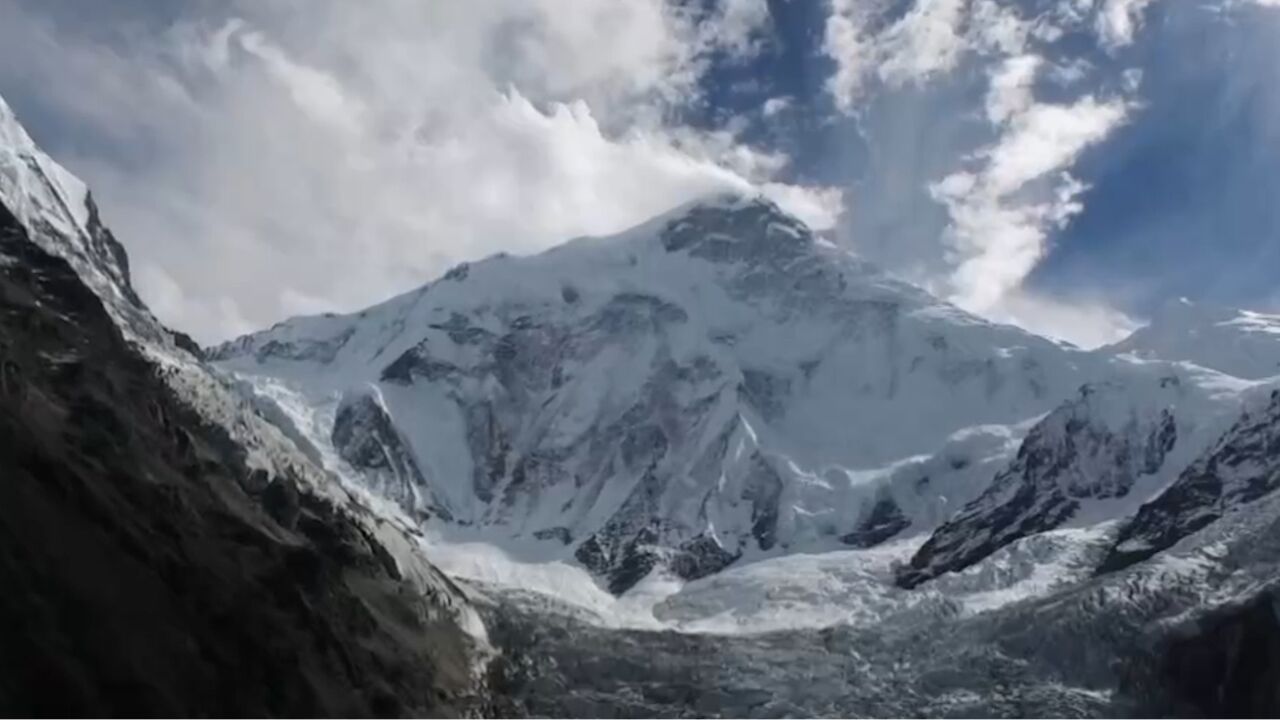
column 1065, row 165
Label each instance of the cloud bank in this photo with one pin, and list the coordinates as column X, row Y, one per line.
column 270, row 159
column 1008, row 187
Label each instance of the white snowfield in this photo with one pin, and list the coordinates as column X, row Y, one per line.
column 1237, row 342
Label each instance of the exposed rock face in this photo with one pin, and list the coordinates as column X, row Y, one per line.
column 1090, row 451
column 366, row 438
column 1231, row 666
column 1243, row 467
column 883, row 522
column 148, row 569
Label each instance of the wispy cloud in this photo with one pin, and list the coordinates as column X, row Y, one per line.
column 1119, row 20
column 297, row 156
column 1019, row 188
column 925, row 41
column 1006, row 196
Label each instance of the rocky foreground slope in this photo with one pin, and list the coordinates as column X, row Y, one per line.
column 162, row 552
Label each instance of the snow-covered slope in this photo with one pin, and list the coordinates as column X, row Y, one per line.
column 1242, row 343
column 714, row 384
column 1093, row 459
column 1241, row 467
column 62, row 218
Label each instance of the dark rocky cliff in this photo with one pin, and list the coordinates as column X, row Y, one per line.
column 146, row 570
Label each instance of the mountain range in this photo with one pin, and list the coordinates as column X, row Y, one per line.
column 716, row 440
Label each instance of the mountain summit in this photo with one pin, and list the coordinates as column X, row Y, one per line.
column 715, row 384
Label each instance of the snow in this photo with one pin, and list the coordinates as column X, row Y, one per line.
column 852, row 588
column 33, row 186
column 491, row 568
column 1242, row 343
column 816, row 589
column 879, row 378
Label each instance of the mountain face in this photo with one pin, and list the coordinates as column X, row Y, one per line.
column 1241, row 343
column 166, row 550
column 715, row 384
column 719, row 386
column 1094, row 458
column 1242, row 467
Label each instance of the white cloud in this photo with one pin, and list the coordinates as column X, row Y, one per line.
column 1018, row 189
column 295, row 156
column 845, row 41
column 737, row 25
column 925, row 41
column 317, row 94
column 1089, row 323
column 1011, row 87
column 1004, row 198
column 775, row 105
column 1119, row 20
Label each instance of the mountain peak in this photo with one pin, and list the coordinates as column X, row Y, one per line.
column 61, row 217
column 734, row 226
column 33, row 186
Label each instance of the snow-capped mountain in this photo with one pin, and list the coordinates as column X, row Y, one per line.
column 717, row 395
column 1242, row 343
column 62, row 218
column 719, row 385
column 714, row 384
